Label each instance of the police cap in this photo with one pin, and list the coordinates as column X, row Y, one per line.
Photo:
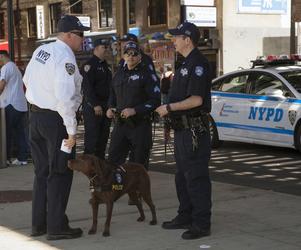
column 129, row 37
column 68, row 23
column 98, row 42
column 187, row 29
column 131, row 46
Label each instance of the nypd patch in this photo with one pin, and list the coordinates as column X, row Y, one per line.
column 70, row 68
column 134, row 77
column 199, row 70
column 87, row 68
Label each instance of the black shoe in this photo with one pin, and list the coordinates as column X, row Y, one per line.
column 70, row 233
column 36, row 233
column 175, row 224
column 194, row 233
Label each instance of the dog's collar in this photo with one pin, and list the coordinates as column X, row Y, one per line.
column 92, row 186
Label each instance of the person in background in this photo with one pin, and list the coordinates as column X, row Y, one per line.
column 12, row 98
column 53, row 85
column 166, row 80
column 97, row 77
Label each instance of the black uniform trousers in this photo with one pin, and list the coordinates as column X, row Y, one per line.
column 192, row 179
column 97, row 131
column 125, row 138
column 53, row 179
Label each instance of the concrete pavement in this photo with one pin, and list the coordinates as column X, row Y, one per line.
column 243, row 218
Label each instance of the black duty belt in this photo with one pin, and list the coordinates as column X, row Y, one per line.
column 35, row 108
column 187, row 122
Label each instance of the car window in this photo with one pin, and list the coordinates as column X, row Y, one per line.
column 294, row 78
column 264, row 83
column 235, row 84
column 216, row 85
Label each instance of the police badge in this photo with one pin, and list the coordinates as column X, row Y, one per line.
column 70, row 68
column 199, row 70
column 292, row 114
column 87, row 68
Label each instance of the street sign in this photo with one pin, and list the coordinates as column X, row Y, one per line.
column 263, row 6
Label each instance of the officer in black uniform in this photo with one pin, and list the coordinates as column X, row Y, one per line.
column 97, row 78
column 187, row 112
column 135, row 94
column 146, row 59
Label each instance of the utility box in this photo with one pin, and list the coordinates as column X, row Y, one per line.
column 2, row 139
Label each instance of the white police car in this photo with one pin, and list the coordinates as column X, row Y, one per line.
column 261, row 105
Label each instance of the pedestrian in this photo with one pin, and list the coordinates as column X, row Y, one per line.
column 97, row 77
column 166, row 79
column 135, row 95
column 53, row 85
column 187, row 110
column 12, row 98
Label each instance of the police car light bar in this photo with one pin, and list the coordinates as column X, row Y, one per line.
column 272, row 60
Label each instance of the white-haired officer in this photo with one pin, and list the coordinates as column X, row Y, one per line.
column 97, row 77
column 53, row 85
column 188, row 108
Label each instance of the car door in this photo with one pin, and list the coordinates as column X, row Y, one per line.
column 267, row 115
column 228, row 105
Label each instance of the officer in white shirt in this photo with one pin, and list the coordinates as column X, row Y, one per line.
column 12, row 98
column 53, row 85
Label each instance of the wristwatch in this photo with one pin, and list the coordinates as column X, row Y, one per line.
column 168, row 107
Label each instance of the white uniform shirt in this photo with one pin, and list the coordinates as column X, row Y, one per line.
column 53, row 81
column 13, row 92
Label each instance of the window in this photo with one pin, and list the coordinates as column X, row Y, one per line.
column 105, row 13
column 2, row 27
column 76, row 6
column 266, row 84
column 55, row 15
column 235, row 84
column 32, row 22
column 132, row 12
column 157, row 12
column 294, row 78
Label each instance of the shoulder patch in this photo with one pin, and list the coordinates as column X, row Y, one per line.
column 199, row 70
column 87, row 67
column 70, row 68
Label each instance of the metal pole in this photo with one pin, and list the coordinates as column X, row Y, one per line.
column 10, row 23
column 293, row 31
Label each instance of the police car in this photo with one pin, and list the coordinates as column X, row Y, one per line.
column 261, row 105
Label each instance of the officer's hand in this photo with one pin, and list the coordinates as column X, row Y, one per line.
column 70, row 142
column 110, row 114
column 128, row 112
column 98, row 110
column 161, row 110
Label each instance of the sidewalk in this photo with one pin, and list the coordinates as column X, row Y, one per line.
column 243, row 218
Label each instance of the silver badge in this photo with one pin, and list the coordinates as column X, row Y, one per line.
column 134, row 77
column 184, row 72
column 87, row 68
column 292, row 114
column 118, row 178
column 199, row 70
column 70, row 68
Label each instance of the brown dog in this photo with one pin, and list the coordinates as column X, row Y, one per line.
column 132, row 178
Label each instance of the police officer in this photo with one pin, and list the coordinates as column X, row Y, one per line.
column 146, row 59
column 53, row 85
column 97, row 78
column 135, row 94
column 188, row 108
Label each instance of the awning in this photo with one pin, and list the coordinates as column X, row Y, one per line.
column 4, row 46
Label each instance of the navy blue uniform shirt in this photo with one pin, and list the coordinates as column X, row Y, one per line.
column 137, row 88
column 97, row 77
column 192, row 78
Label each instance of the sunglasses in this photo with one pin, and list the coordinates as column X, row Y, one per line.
column 132, row 53
column 78, row 33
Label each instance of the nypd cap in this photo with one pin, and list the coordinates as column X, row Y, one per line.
column 98, row 42
column 68, row 23
column 187, row 29
column 131, row 46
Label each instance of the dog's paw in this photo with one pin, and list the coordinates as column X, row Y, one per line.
column 106, row 234
column 92, row 231
column 141, row 219
column 153, row 222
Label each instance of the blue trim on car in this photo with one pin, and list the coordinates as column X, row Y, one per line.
column 255, row 128
column 255, row 97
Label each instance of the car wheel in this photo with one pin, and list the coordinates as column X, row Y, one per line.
column 215, row 141
column 298, row 138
